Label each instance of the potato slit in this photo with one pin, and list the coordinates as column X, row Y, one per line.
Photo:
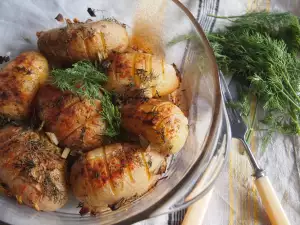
column 10, row 139
column 90, row 57
column 128, row 170
column 153, row 88
column 104, row 54
column 137, row 79
column 87, row 180
column 133, row 67
column 146, row 165
column 163, row 68
column 114, row 66
column 12, row 157
column 112, row 188
column 116, row 69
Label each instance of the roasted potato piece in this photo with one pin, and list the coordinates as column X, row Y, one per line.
column 162, row 123
column 83, row 41
column 31, row 169
column 76, row 122
column 19, row 81
column 140, row 71
column 106, row 175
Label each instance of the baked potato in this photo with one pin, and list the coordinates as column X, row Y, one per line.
column 162, row 123
column 83, row 41
column 112, row 173
column 76, row 122
column 31, row 169
column 132, row 71
column 20, row 80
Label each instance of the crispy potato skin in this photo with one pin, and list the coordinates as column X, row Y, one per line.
column 76, row 122
column 19, row 82
column 106, row 175
column 162, row 123
column 30, row 169
column 83, row 41
column 140, row 71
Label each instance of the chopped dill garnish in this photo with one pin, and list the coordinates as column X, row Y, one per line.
column 87, row 80
column 83, row 79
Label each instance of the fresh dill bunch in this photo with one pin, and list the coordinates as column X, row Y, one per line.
column 83, row 79
column 86, row 80
column 280, row 26
column 269, row 70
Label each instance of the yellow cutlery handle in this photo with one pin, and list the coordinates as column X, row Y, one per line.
column 270, row 201
column 196, row 212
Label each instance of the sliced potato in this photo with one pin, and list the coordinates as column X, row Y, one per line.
column 144, row 72
column 20, row 80
column 83, row 41
column 162, row 123
column 114, row 172
column 77, row 123
column 32, row 170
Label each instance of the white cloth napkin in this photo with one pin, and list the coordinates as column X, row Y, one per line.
column 235, row 200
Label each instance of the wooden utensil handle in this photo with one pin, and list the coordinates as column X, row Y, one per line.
column 196, row 212
column 270, row 202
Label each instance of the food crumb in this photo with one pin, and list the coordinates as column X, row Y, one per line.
column 75, row 20
column 4, row 59
column 91, row 12
column 59, row 18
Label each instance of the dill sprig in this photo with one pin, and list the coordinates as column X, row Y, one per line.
column 111, row 114
column 87, row 80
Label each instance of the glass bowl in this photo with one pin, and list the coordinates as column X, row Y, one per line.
column 209, row 133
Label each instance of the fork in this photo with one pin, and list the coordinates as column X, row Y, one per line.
column 265, row 189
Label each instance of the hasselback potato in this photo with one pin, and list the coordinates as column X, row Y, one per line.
column 83, row 41
column 149, row 74
column 106, row 175
column 162, row 123
column 19, row 82
column 31, row 169
column 76, row 122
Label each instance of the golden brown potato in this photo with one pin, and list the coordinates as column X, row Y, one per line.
column 141, row 71
column 106, row 175
column 76, row 122
column 162, row 123
column 19, row 81
column 31, row 169
column 83, row 41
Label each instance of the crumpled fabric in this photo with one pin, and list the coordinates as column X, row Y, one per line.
column 235, row 200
